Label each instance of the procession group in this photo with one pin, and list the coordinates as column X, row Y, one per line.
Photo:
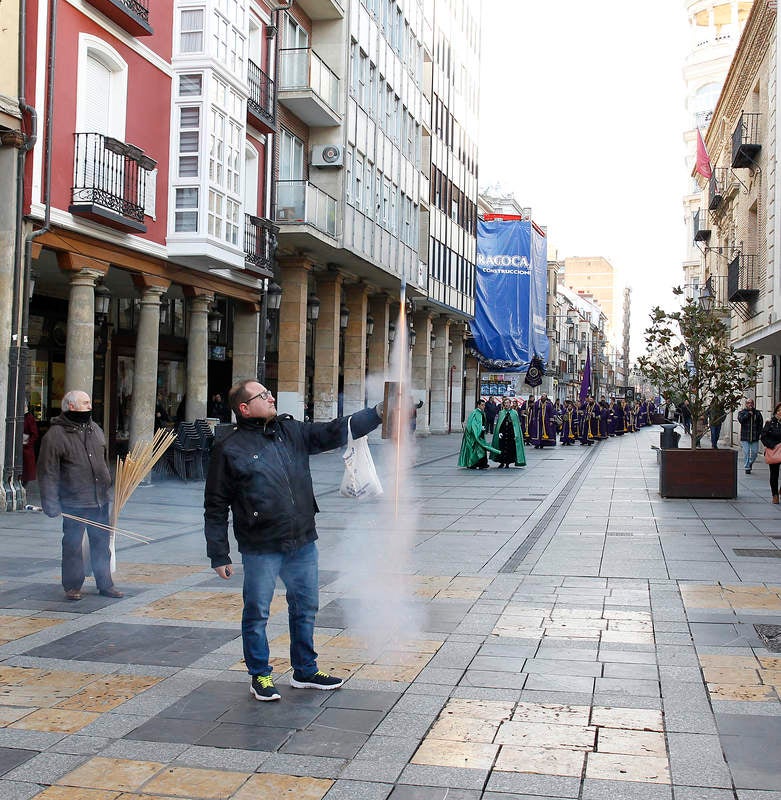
column 512, row 423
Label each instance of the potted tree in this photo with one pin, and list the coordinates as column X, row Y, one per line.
column 690, row 356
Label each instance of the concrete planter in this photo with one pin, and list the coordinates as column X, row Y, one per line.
column 698, row 473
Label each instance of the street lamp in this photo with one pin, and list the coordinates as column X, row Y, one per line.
column 707, row 295
column 369, row 325
column 274, row 296
column 215, row 322
column 344, row 316
column 102, row 301
column 391, row 332
column 413, row 337
column 433, row 340
column 313, row 307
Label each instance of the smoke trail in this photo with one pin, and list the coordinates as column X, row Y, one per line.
column 378, row 569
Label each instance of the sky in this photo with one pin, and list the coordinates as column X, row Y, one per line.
column 582, row 117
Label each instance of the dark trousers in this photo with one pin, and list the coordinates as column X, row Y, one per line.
column 72, row 559
column 774, row 478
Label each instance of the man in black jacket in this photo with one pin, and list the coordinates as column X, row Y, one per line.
column 260, row 472
column 751, row 423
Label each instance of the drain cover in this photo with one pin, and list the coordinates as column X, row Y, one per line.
column 771, row 636
column 756, row 552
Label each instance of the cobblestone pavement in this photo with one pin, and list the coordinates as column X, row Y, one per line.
column 554, row 631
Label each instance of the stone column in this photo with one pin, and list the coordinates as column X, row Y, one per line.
column 379, row 308
column 457, row 416
column 471, row 384
column 354, row 366
column 329, row 290
column 80, row 343
column 440, row 377
column 246, row 327
column 197, row 353
column 421, row 369
column 142, row 412
column 294, row 280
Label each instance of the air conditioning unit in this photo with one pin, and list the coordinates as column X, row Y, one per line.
column 327, row 155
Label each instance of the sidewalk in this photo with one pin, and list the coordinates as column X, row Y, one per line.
column 557, row 631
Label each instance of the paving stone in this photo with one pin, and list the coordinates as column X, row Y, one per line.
column 18, row 790
column 625, row 790
column 358, row 790
column 222, row 758
column 44, row 768
column 401, row 792
column 160, row 729
column 697, row 760
column 11, row 757
column 449, row 777
column 700, row 793
column 314, row 766
column 753, row 761
column 524, row 783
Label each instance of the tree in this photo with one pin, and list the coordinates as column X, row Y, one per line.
column 690, row 356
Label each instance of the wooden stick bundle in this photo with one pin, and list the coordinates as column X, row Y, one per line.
column 136, row 465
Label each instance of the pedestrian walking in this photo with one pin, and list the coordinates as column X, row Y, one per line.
column 569, row 424
column 750, row 421
column 716, row 416
column 542, row 428
column 491, row 412
column 30, row 436
column 260, row 472
column 508, row 438
column 771, row 437
column 74, row 479
column 474, row 448
column 685, row 414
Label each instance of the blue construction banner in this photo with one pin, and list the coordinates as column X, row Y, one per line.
column 510, row 287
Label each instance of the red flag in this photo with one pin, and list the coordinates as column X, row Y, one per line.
column 703, row 166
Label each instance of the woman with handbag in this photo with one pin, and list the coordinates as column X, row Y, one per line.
column 771, row 439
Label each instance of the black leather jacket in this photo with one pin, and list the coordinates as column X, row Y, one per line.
column 750, row 425
column 261, row 472
column 771, row 433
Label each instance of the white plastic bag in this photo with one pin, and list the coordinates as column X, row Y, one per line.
column 360, row 478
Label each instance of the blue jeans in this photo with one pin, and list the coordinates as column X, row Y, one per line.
column 298, row 571
column 715, row 432
column 750, row 450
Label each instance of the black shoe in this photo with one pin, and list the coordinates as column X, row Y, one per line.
column 73, row 594
column 318, row 680
column 263, row 688
column 748, row 472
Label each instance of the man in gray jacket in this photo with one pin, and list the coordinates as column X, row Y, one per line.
column 74, row 479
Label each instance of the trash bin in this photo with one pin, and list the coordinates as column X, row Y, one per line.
column 669, row 437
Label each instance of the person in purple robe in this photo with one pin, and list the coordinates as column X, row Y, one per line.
column 611, row 417
column 619, row 417
column 589, row 421
column 642, row 414
column 569, row 423
column 542, row 428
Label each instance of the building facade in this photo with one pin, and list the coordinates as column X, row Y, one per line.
column 235, row 188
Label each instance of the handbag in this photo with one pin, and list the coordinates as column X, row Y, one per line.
column 773, row 454
column 360, row 480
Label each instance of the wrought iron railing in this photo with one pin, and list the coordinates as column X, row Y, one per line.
column 261, row 93
column 745, row 140
column 260, row 242
column 302, row 68
column 717, row 187
column 300, row 202
column 742, row 279
column 110, row 174
column 702, row 228
column 139, row 7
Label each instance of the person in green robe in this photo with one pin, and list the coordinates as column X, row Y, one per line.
column 508, row 438
column 474, row 449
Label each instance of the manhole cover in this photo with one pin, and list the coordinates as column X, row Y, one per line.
column 756, row 552
column 771, row 636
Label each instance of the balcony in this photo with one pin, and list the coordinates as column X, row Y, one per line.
column 260, row 243
column 745, row 142
column 302, row 203
column 309, row 88
column 742, row 279
column 717, row 187
column 131, row 15
column 110, row 182
column 318, row 10
column 702, row 229
column 260, row 103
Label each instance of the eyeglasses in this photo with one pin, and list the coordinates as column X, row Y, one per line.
column 262, row 395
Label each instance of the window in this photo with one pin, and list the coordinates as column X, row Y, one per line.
column 101, row 89
column 190, row 85
column 191, row 30
column 189, row 124
column 186, row 213
column 291, row 157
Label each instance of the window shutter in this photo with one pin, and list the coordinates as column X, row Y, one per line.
column 98, row 96
column 150, row 195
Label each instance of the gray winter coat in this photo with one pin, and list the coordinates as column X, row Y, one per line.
column 72, row 468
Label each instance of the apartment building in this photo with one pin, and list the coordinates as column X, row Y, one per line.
column 740, row 243
column 232, row 188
